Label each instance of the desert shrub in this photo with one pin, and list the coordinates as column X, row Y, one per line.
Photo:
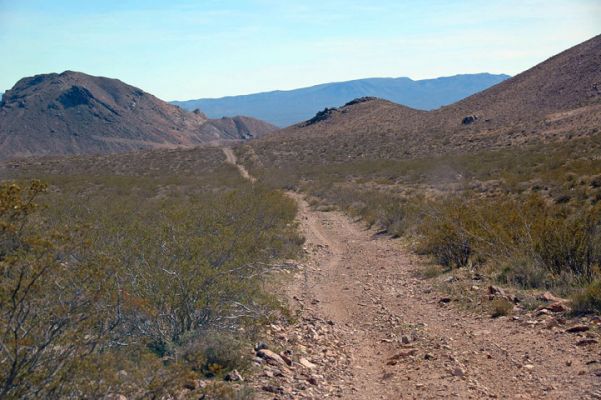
column 214, row 353
column 445, row 236
column 431, row 271
column 588, row 299
column 524, row 272
column 500, row 307
column 533, row 243
column 568, row 240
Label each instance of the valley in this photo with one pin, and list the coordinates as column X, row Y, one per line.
column 373, row 251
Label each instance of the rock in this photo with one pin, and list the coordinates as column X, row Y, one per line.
column 312, row 380
column 558, row 307
column 271, row 357
column 261, row 346
column 529, row 366
column 306, row 363
column 577, row 329
column 495, row 290
column 273, row 389
column 458, row 371
column 286, row 359
column 403, row 354
column 428, row 356
column 445, row 300
column 549, row 297
column 405, row 339
column 234, row 376
column 469, row 119
column 586, row 342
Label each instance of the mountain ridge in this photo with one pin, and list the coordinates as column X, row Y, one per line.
column 286, row 107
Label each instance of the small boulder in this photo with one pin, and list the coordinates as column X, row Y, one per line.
column 558, row 307
column 261, row 346
column 271, row 357
column 403, row 354
column 234, row 376
column 577, row 329
column 306, row 363
column 496, row 291
column 550, row 298
column 586, row 342
column 469, row 119
column 458, row 371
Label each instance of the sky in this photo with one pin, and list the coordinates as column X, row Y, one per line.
column 185, row 49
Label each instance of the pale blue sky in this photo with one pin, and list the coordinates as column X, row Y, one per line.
column 182, row 49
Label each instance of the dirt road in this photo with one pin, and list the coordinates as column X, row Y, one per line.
column 370, row 329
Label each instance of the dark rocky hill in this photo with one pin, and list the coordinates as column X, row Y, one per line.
column 75, row 113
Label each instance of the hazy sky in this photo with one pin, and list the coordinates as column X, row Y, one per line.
column 182, row 49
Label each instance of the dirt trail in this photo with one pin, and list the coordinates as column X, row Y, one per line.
column 375, row 331
column 230, row 158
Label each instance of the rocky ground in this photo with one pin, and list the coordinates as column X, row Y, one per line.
column 369, row 328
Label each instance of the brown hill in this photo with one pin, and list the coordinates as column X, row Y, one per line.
column 75, row 113
column 557, row 99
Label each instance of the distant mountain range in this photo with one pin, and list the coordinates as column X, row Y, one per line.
column 283, row 108
column 76, row 113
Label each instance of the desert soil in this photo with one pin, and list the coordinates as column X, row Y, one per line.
column 369, row 328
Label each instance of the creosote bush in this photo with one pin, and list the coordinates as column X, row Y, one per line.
column 532, row 242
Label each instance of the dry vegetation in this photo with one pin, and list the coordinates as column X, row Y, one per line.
column 135, row 275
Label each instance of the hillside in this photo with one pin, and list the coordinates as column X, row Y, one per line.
column 284, row 108
column 557, row 99
column 74, row 113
